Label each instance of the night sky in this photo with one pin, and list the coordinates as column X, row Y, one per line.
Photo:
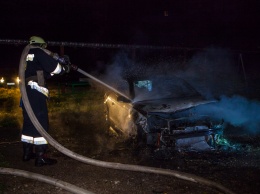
column 180, row 23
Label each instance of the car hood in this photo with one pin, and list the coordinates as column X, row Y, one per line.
column 170, row 105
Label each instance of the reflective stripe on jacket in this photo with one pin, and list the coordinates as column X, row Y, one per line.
column 34, row 85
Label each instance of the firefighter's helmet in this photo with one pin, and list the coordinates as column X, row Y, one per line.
column 38, row 40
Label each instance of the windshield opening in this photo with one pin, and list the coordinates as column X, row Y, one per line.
column 162, row 87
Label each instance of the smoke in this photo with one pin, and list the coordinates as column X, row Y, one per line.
column 237, row 111
column 213, row 72
column 113, row 75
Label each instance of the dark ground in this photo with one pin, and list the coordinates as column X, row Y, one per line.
column 238, row 171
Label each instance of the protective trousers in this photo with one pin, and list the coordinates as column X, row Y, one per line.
column 39, row 106
column 31, row 138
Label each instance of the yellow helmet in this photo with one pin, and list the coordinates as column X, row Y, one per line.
column 38, row 40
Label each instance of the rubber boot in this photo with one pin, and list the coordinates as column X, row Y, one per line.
column 41, row 157
column 28, row 151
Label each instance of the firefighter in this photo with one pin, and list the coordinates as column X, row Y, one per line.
column 40, row 66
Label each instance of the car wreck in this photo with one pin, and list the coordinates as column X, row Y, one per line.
column 163, row 112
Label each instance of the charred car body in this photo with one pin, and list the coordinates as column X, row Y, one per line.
column 163, row 113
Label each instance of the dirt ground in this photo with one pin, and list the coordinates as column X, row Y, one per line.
column 238, row 171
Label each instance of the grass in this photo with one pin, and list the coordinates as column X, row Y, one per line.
column 10, row 112
column 72, row 115
column 72, row 103
column 77, row 119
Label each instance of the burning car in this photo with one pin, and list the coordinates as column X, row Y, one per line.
column 162, row 112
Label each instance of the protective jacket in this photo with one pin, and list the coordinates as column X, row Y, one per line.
column 39, row 67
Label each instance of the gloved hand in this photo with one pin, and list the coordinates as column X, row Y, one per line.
column 66, row 60
column 66, row 68
column 67, row 64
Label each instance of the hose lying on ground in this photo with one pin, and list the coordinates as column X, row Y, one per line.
column 45, row 179
column 119, row 166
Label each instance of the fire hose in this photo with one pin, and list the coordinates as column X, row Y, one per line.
column 45, row 179
column 90, row 161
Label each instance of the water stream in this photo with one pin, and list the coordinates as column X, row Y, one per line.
column 102, row 83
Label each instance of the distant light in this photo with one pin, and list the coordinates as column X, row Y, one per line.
column 17, row 80
column 11, row 84
column 166, row 13
column 2, row 80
